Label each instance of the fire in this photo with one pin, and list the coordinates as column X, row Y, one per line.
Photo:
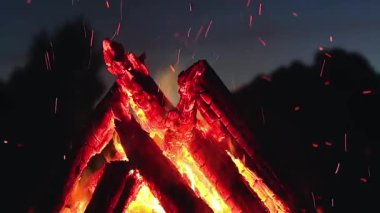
column 271, row 202
column 144, row 200
column 186, row 165
column 185, row 135
column 83, row 190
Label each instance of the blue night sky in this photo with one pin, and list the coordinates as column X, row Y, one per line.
column 232, row 47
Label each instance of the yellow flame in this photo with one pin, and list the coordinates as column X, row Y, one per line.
column 265, row 194
column 183, row 161
column 187, row 166
column 145, row 201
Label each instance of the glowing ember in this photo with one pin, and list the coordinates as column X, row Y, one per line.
column 182, row 135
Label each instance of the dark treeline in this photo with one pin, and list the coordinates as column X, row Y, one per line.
column 300, row 120
column 44, row 107
column 302, row 115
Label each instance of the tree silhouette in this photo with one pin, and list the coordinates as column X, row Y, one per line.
column 46, row 104
column 303, row 117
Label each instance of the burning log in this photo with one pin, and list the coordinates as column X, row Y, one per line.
column 100, row 133
column 162, row 177
column 113, row 184
column 219, row 168
column 214, row 102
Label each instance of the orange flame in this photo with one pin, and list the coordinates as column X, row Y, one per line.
column 265, row 194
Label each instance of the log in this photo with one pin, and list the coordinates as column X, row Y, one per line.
column 215, row 104
column 222, row 172
column 161, row 175
column 110, row 188
column 100, row 133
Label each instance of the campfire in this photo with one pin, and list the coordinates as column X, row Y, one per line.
column 142, row 154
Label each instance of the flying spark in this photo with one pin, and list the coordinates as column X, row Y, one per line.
column 107, row 4
column 250, row 21
column 260, row 9
column 92, row 37
column 345, row 142
column 322, row 68
column 366, row 92
column 262, row 41
column 312, row 195
column 198, row 33
column 337, row 168
column 188, row 32
column 248, row 3
column 178, row 55
column 208, row 28
column 331, row 38
column 172, row 68
column 55, row 105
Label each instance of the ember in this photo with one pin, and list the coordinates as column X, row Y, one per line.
column 196, row 157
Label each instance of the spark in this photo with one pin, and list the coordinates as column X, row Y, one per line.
column 188, row 32
column 331, row 38
column 366, row 92
column 178, row 55
column 248, row 3
column 47, row 60
column 328, row 143
column 321, row 48
column 172, row 68
column 262, row 41
column 55, row 105
column 266, row 78
column 322, row 68
column 107, row 4
column 315, row 145
column 84, row 30
column 337, row 168
column 297, row 108
column 260, row 9
column 92, row 37
column 199, row 33
column 262, row 115
column 29, row 1
column 328, row 55
column 208, row 28
column 332, row 202
column 312, row 195
column 190, row 7
column 64, row 157
column 363, row 179
column 52, row 50
column 117, row 31
column 250, row 21
column 295, row 14
column 345, row 142
column 5, row 142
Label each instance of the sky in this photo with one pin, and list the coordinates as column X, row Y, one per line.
column 180, row 32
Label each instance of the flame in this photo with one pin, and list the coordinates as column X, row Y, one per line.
column 265, row 194
column 184, row 162
column 83, row 191
column 144, row 201
column 188, row 168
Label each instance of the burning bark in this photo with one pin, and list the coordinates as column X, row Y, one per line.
column 193, row 157
column 167, row 184
column 109, row 191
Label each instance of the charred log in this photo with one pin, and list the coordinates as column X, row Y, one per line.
column 218, row 167
column 110, row 188
column 161, row 175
